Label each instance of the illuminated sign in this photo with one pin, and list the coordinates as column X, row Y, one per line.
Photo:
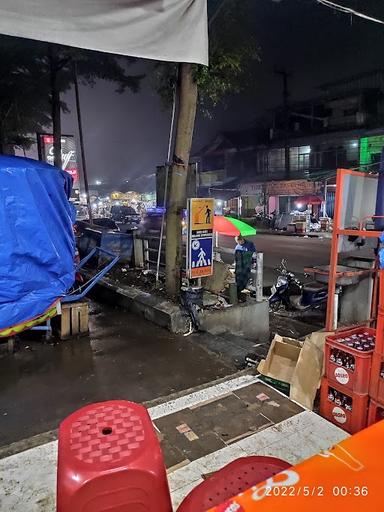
column 68, row 153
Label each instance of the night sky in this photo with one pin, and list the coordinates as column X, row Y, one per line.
column 126, row 135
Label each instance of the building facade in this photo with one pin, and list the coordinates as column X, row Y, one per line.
column 270, row 169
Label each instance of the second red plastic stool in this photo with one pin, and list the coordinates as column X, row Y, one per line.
column 110, row 459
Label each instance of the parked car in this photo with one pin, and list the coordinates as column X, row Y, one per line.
column 152, row 219
column 81, row 212
column 125, row 216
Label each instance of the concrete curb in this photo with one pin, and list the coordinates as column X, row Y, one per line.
column 250, row 319
column 154, row 308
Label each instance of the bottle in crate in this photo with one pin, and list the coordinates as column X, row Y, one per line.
column 348, row 358
column 345, row 408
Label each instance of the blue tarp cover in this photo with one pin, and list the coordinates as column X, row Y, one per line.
column 36, row 238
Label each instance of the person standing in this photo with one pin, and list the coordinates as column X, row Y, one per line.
column 208, row 213
column 245, row 254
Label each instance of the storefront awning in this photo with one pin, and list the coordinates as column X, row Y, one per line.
column 309, row 199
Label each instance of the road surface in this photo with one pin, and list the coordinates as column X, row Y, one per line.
column 298, row 251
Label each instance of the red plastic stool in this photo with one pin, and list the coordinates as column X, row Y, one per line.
column 229, row 481
column 110, row 460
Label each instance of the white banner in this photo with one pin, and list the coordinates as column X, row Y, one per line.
column 170, row 30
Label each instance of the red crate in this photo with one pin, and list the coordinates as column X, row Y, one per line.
column 375, row 412
column 351, row 421
column 356, row 380
column 379, row 348
column 376, row 386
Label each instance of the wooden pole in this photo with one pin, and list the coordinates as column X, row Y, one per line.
column 81, row 137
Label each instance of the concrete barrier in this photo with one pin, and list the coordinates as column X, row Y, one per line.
column 250, row 319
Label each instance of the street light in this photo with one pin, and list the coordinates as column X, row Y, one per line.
column 98, row 182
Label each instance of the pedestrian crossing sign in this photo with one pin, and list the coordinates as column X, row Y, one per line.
column 200, row 238
column 201, row 257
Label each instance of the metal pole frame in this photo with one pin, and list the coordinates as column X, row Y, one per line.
column 341, row 231
column 170, row 139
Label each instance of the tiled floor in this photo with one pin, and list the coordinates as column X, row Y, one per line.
column 28, row 479
column 293, row 440
column 205, row 428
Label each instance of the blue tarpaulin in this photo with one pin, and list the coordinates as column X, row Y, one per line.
column 36, row 238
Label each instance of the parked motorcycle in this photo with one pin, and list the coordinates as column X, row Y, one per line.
column 291, row 293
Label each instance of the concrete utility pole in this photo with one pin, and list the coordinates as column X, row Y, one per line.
column 178, row 173
column 178, row 177
column 285, row 75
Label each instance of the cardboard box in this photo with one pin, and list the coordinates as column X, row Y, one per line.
column 281, row 360
column 309, row 370
column 301, row 365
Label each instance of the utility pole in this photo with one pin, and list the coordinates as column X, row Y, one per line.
column 178, row 173
column 81, row 137
column 285, row 75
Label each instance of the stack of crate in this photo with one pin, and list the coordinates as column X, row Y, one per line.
column 346, row 385
column 376, row 386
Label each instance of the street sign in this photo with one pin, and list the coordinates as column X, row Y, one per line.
column 200, row 237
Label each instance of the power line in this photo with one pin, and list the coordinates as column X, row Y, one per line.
column 348, row 10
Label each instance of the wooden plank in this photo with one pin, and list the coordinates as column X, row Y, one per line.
column 65, row 330
column 84, row 318
column 75, row 311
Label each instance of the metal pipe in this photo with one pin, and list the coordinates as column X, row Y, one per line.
column 334, row 252
column 166, row 181
column 335, row 310
column 259, row 276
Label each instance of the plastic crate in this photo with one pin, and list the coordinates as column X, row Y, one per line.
column 351, row 421
column 375, row 412
column 376, row 387
column 356, row 380
column 379, row 347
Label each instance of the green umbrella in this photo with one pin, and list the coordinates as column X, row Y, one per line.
column 232, row 227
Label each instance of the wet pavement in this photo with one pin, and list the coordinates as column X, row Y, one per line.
column 126, row 357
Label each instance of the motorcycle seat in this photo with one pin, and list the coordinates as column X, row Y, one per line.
column 315, row 287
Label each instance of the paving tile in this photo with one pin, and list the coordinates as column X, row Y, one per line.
column 221, row 458
column 178, row 495
column 172, row 455
column 200, row 396
column 249, row 393
column 282, row 450
column 254, row 444
column 184, row 476
column 292, row 424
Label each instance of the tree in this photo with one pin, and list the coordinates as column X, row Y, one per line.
column 91, row 66
column 24, row 93
column 34, row 75
column 233, row 52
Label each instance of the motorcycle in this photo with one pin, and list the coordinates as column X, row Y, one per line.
column 291, row 293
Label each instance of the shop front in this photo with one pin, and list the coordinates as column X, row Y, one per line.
column 287, row 196
column 253, row 198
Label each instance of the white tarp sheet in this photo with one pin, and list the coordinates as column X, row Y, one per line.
column 170, row 30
